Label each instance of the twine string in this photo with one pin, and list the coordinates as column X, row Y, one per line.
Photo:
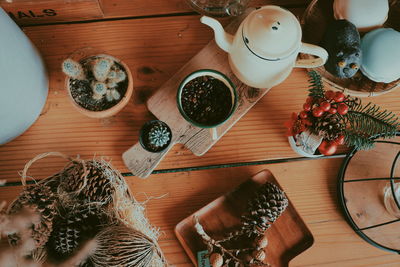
column 39, row 157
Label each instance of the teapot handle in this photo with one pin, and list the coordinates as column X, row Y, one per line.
column 322, row 56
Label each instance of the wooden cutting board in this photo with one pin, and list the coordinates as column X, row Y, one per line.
column 163, row 105
column 288, row 236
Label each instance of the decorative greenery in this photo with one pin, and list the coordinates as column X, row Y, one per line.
column 316, row 88
column 365, row 122
column 338, row 117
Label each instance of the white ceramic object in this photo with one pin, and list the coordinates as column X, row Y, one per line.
column 23, row 79
column 364, row 14
column 264, row 49
column 299, row 149
column 381, row 55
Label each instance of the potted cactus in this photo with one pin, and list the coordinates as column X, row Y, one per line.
column 155, row 136
column 99, row 86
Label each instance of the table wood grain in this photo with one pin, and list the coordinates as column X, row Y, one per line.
column 311, row 186
column 156, row 38
column 37, row 12
column 154, row 49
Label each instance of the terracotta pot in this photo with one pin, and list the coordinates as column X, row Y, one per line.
column 114, row 109
column 299, row 150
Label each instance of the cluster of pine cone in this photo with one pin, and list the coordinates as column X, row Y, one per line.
column 245, row 247
column 72, row 207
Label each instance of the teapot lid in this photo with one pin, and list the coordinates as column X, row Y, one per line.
column 272, row 33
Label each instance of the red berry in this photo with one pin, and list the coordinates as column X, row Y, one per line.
column 325, row 106
column 307, row 106
column 329, row 95
column 318, row 112
column 310, row 99
column 339, row 140
column 343, row 109
column 332, row 110
column 303, row 115
column 327, row 148
column 339, row 97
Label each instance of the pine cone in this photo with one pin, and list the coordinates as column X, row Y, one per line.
column 72, row 227
column 42, row 200
column 269, row 203
column 97, row 188
column 86, row 263
column 329, row 127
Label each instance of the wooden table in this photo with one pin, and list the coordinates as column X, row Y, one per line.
column 155, row 38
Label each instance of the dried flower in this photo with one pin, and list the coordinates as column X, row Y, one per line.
column 296, row 125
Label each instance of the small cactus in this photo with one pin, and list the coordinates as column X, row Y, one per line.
column 112, row 95
column 159, row 136
column 101, row 73
column 101, row 68
column 112, row 74
column 112, row 84
column 121, row 76
column 99, row 89
column 115, row 94
column 73, row 69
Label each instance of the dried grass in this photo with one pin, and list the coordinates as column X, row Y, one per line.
column 124, row 209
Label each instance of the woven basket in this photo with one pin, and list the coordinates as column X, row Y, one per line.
column 314, row 23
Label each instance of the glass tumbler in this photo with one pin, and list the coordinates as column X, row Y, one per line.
column 219, row 8
column 389, row 199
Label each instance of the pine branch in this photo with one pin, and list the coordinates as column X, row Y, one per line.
column 365, row 122
column 357, row 140
column 316, row 88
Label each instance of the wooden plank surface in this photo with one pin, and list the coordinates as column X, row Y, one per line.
column 28, row 12
column 118, row 8
column 154, row 49
column 311, row 186
column 31, row 12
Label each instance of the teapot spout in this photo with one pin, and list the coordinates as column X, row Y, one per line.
column 223, row 39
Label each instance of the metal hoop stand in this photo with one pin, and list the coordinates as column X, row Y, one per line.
column 343, row 201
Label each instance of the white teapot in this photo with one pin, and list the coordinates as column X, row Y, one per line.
column 264, row 49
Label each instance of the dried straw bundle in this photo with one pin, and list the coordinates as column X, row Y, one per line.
column 95, row 183
column 123, row 246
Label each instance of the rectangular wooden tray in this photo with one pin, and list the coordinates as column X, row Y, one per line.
column 288, row 236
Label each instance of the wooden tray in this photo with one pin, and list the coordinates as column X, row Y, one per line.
column 314, row 23
column 288, row 236
column 163, row 105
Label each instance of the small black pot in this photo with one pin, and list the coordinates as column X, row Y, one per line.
column 144, row 136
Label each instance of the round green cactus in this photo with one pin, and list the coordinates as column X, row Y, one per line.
column 159, row 136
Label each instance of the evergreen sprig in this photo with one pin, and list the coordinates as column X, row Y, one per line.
column 363, row 122
column 358, row 141
column 316, row 88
